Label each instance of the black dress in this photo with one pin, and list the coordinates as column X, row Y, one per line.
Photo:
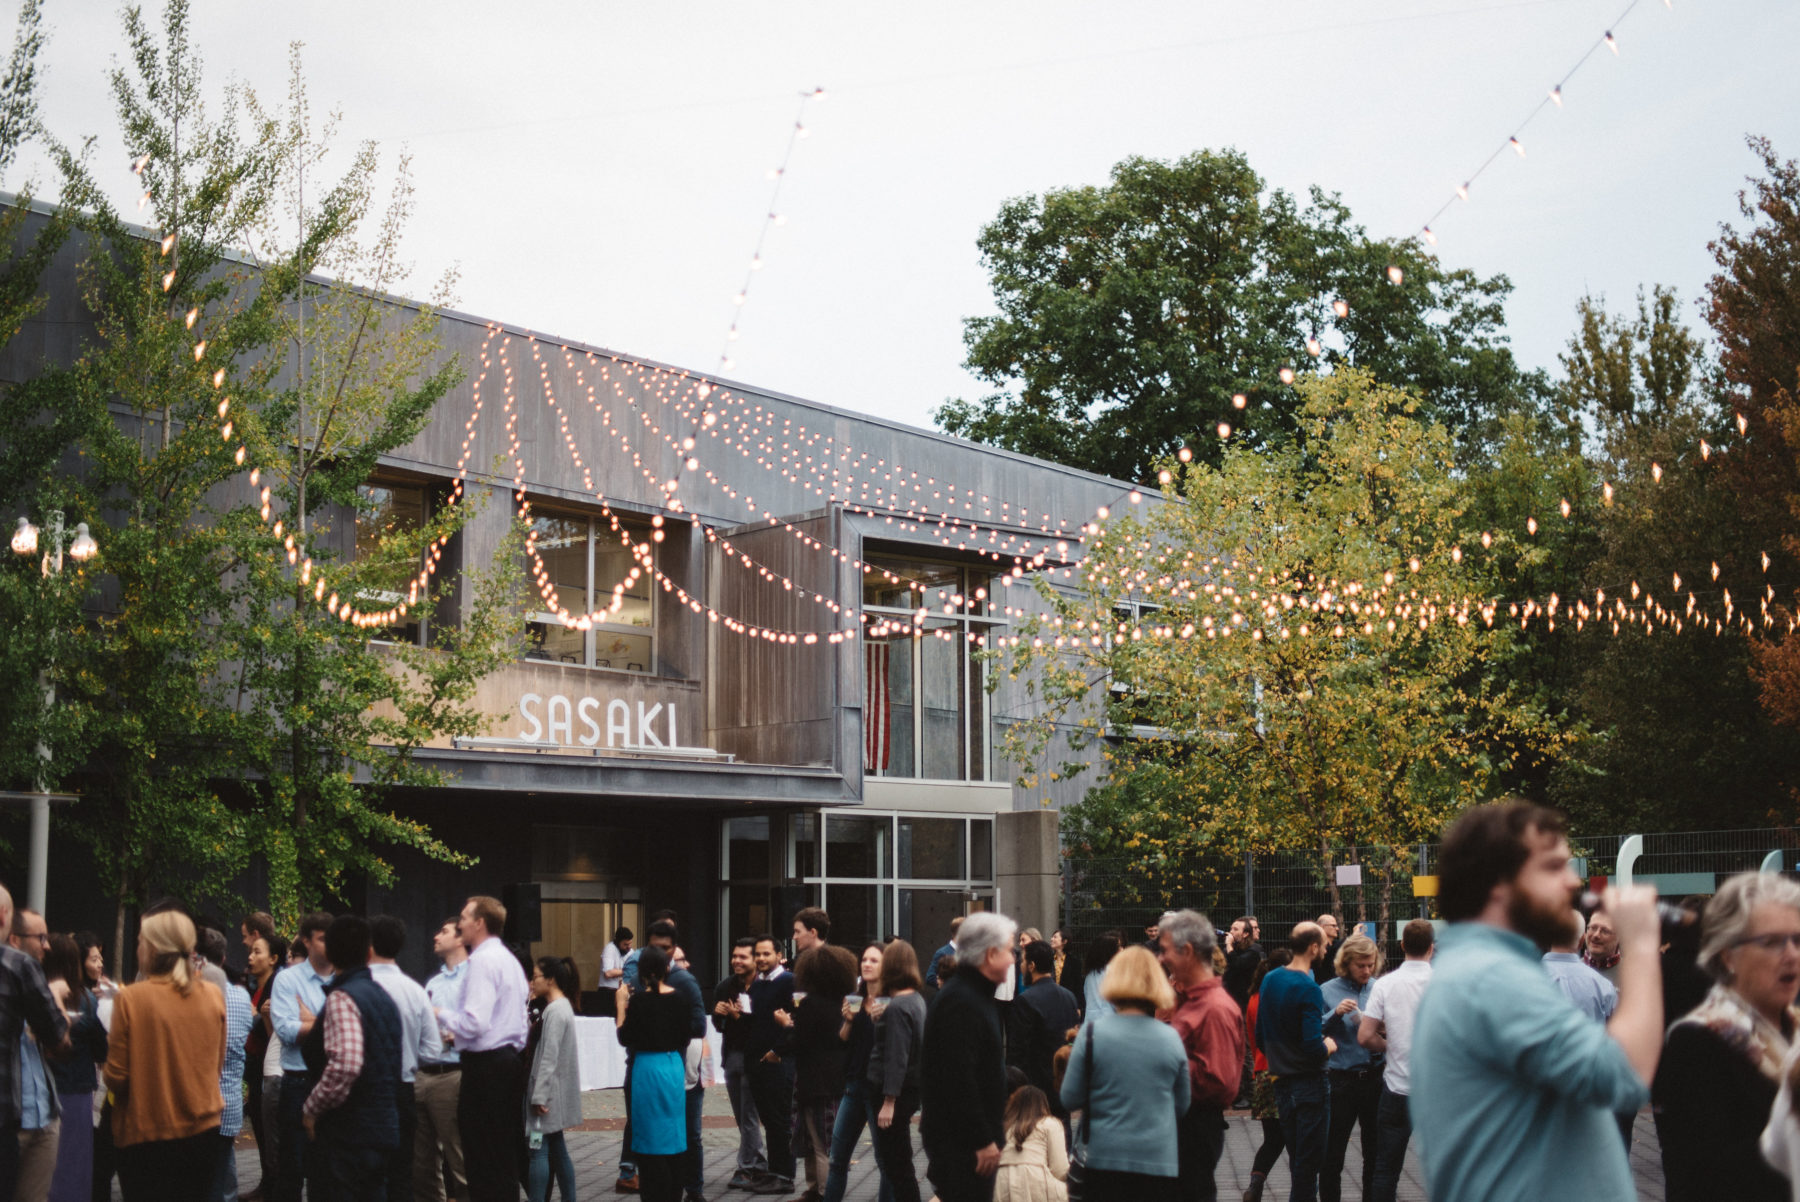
column 1711, row 1106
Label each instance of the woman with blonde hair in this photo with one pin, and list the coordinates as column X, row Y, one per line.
column 1128, row 1076
column 166, row 1054
column 1354, row 1074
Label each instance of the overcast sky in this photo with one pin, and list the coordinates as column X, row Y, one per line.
column 600, row 171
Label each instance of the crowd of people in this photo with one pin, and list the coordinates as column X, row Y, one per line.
column 1515, row 1043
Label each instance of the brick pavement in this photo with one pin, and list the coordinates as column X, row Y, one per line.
column 595, row 1149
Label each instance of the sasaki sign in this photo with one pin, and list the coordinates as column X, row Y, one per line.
column 586, row 721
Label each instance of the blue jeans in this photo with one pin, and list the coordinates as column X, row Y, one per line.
column 1305, row 1106
column 292, row 1167
column 225, row 1186
column 856, row 1111
column 550, row 1157
column 1393, row 1126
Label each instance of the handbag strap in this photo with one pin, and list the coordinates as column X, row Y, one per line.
column 1087, row 1037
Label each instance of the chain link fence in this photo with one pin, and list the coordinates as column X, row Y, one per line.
column 1287, row 887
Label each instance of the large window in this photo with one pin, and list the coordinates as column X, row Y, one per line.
column 589, row 568
column 878, row 875
column 925, row 698
column 389, row 521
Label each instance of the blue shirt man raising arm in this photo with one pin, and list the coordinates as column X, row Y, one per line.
column 1513, row 1088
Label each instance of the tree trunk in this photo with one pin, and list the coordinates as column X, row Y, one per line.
column 119, row 931
column 1331, row 885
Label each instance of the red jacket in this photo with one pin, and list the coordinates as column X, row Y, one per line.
column 1212, row 1031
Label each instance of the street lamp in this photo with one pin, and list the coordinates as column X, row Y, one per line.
column 82, row 548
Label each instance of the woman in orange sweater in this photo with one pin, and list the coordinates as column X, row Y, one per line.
column 163, row 1067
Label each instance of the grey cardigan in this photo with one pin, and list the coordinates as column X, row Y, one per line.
column 555, row 1071
column 899, row 1037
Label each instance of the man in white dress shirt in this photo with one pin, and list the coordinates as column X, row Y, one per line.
column 489, row 1028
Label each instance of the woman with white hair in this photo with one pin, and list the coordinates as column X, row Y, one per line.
column 1722, row 1061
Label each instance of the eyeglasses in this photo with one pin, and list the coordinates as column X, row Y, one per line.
column 1775, row 941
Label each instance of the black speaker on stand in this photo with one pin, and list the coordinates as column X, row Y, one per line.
column 524, row 914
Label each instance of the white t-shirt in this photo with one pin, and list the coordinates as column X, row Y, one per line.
column 272, row 1057
column 610, row 959
column 1394, row 1001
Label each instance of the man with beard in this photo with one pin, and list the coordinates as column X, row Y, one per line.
column 1513, row 1088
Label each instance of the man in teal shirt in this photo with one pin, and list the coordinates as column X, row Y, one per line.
column 1513, row 1089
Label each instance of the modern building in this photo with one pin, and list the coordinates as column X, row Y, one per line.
column 754, row 675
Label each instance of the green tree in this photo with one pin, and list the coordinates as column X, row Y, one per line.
column 1291, row 652
column 237, row 717
column 36, row 610
column 1679, row 738
column 331, row 719
column 1131, row 315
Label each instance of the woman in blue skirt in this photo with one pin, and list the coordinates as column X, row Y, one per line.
column 653, row 1023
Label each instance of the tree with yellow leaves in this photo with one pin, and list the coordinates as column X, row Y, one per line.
column 1288, row 650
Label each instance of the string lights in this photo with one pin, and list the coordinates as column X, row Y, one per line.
column 1553, row 98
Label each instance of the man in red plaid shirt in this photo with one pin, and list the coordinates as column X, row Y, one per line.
column 351, row 1113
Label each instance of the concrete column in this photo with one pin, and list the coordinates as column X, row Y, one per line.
column 1028, row 867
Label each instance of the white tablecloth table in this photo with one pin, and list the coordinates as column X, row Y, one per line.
column 603, row 1059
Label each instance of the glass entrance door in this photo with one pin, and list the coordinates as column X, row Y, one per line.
column 578, row 920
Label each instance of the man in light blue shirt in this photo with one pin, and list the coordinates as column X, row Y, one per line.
column 295, row 1003
column 1584, row 986
column 1513, row 1088
column 437, row 1145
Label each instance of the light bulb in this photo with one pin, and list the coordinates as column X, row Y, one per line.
column 1556, row 95
column 25, row 538
column 1395, row 275
column 1517, row 146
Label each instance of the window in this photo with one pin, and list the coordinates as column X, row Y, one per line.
column 882, row 874
column 590, row 567
column 925, row 698
column 390, row 520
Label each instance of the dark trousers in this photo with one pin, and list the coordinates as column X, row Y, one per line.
column 1305, row 1105
column 772, row 1086
column 894, row 1150
column 1274, row 1143
column 9, row 1160
column 1393, row 1126
column 170, row 1170
column 347, row 1174
column 106, row 1161
column 1201, row 1141
column 253, row 1092
column 290, row 1144
column 1104, row 1185
column 952, row 1175
column 693, row 1162
column 659, row 1177
column 1355, row 1101
column 490, row 1116
column 400, row 1161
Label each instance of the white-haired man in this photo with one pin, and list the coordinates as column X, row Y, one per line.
column 963, row 1069
column 1212, row 1033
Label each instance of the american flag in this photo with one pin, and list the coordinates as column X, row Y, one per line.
column 878, row 716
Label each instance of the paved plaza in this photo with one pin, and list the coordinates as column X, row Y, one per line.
column 595, row 1150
